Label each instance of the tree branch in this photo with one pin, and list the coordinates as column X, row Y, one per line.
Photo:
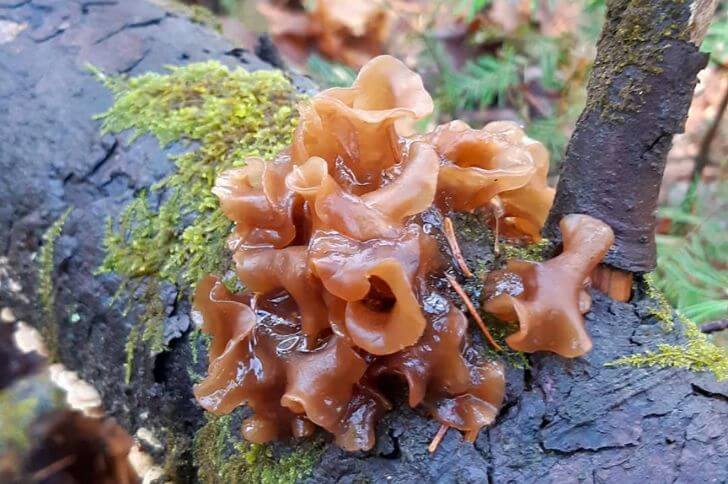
column 638, row 97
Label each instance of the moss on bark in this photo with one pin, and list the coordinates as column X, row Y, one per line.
column 222, row 458
column 174, row 232
column 46, row 290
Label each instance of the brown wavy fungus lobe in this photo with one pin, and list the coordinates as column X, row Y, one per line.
column 548, row 299
column 341, row 275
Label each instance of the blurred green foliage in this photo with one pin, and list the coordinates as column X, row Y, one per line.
column 692, row 260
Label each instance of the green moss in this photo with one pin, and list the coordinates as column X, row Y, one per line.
column 472, row 230
column 534, row 252
column 660, row 308
column 196, row 13
column 210, row 447
column 174, row 232
column 46, row 291
column 500, row 331
column 15, row 417
column 222, row 459
column 231, row 115
column 176, row 462
column 148, row 331
column 263, row 467
column 698, row 354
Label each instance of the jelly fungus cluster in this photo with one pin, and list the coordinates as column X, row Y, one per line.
column 343, row 277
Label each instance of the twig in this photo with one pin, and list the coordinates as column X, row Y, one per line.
column 455, row 247
column 53, row 469
column 496, row 248
column 497, row 211
column 471, row 309
column 438, row 437
column 714, row 326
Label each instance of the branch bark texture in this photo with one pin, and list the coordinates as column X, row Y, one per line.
column 638, row 97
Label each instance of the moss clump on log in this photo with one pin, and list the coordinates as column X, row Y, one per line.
column 221, row 458
column 230, row 115
column 196, row 13
column 174, row 232
column 15, row 418
column 660, row 308
column 698, row 354
column 536, row 251
column 149, row 329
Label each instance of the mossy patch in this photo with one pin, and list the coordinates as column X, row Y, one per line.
column 222, row 459
column 174, row 232
column 15, row 418
column 535, row 252
column 698, row 354
column 196, row 13
column 46, row 290
column 230, row 115
column 148, row 331
column 476, row 238
column 660, row 307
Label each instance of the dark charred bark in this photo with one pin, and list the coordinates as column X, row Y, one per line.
column 563, row 420
column 638, row 97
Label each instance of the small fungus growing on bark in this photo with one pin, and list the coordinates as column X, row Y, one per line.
column 548, row 298
column 343, row 281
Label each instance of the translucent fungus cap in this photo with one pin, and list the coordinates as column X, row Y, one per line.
column 551, row 300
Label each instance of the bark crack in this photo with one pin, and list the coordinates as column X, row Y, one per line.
column 129, row 26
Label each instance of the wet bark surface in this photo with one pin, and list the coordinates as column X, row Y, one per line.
column 564, row 420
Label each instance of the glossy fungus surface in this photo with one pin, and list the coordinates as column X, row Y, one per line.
column 548, row 298
column 341, row 276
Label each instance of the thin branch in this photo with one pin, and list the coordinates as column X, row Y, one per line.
column 452, row 241
column 471, row 309
column 714, row 326
column 438, row 437
column 53, row 469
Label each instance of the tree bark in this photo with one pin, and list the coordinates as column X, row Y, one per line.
column 563, row 420
column 638, row 97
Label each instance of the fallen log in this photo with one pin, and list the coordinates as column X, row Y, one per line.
column 585, row 419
